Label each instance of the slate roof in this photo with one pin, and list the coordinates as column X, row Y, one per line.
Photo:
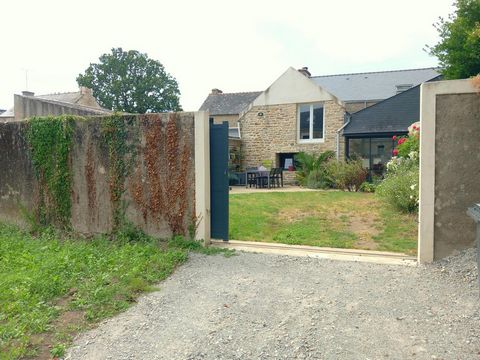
column 66, row 97
column 372, row 85
column 393, row 115
column 228, row 103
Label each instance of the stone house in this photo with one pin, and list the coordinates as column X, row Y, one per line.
column 28, row 104
column 300, row 112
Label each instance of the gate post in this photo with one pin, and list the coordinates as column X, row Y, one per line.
column 202, row 176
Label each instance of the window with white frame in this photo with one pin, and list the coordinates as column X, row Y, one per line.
column 310, row 122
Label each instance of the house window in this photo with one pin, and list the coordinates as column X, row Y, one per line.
column 286, row 161
column 310, row 122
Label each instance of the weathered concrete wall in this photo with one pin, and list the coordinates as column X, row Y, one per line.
column 27, row 106
column 18, row 186
column 457, row 171
column 449, row 167
column 159, row 191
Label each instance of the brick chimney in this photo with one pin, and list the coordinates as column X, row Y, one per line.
column 216, row 92
column 304, row 71
column 28, row 93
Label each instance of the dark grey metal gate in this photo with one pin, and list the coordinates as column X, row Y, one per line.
column 219, row 180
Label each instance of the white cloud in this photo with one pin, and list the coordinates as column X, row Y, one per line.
column 232, row 45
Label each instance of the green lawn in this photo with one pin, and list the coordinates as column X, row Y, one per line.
column 322, row 218
column 50, row 289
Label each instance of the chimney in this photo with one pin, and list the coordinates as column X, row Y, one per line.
column 304, row 71
column 85, row 90
column 216, row 92
column 28, row 93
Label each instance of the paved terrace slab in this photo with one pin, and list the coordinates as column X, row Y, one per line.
column 260, row 306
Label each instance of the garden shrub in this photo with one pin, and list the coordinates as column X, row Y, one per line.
column 347, row 175
column 400, row 186
column 319, row 179
column 312, row 169
column 368, row 187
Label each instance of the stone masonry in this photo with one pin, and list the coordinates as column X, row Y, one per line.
column 275, row 132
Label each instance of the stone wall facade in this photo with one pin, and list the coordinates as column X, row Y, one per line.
column 232, row 119
column 276, row 131
column 355, row 106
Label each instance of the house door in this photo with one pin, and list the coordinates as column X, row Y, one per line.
column 219, row 180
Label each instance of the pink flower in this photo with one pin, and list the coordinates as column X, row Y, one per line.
column 395, row 152
column 394, row 137
column 401, row 141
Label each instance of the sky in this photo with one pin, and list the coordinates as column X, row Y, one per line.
column 235, row 46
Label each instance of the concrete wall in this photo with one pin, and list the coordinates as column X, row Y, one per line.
column 26, row 106
column 449, row 167
column 160, row 185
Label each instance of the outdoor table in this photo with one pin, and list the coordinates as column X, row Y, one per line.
column 258, row 173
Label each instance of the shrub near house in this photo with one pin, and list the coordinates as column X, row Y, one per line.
column 400, row 186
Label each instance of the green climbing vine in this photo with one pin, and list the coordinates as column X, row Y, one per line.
column 121, row 155
column 50, row 142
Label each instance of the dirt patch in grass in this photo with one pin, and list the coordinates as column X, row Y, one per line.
column 365, row 227
column 292, row 215
column 62, row 330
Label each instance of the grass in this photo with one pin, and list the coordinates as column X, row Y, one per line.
column 322, row 218
column 51, row 288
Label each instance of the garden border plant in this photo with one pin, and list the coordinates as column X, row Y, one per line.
column 50, row 141
column 400, row 187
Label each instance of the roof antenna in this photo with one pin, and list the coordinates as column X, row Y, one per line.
column 26, row 78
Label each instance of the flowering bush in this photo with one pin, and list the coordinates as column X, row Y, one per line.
column 400, row 186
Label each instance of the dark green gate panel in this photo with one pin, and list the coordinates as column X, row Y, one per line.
column 219, row 180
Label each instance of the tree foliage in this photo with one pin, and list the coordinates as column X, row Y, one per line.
column 129, row 81
column 459, row 47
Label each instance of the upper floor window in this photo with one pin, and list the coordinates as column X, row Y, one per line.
column 310, row 122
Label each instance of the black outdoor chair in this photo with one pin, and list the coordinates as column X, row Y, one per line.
column 278, row 177
column 267, row 180
column 251, row 178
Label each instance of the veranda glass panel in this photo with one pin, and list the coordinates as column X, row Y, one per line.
column 360, row 148
column 381, row 154
column 317, row 122
column 304, row 122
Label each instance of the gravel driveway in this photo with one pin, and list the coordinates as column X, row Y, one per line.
column 254, row 306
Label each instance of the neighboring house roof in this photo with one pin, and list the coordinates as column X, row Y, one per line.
column 7, row 113
column 2, row 111
column 373, row 85
column 82, row 101
column 228, row 103
column 66, row 97
column 393, row 115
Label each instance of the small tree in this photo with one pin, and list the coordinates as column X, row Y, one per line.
column 459, row 48
column 129, row 81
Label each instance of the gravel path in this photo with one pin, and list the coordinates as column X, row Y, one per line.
column 254, row 306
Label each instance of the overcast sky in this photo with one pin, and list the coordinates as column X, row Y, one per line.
column 236, row 46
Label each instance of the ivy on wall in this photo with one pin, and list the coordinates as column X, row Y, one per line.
column 121, row 155
column 158, row 172
column 50, row 143
column 167, row 164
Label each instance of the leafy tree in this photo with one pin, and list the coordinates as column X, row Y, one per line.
column 459, row 47
column 131, row 82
